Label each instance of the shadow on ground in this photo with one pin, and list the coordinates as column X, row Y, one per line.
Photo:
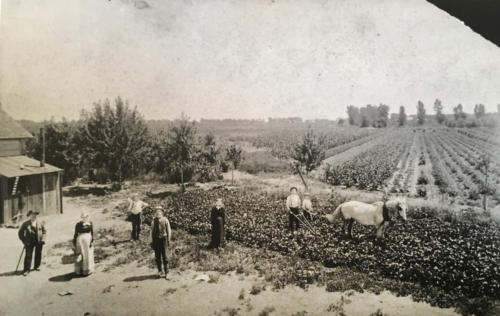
column 64, row 277
column 141, row 278
column 11, row 273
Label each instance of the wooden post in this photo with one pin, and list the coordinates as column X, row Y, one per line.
column 59, row 184
column 42, row 136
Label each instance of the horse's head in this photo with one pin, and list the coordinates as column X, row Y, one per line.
column 402, row 207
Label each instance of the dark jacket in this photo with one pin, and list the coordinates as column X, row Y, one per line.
column 32, row 235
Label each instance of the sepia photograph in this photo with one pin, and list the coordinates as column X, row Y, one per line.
column 249, row 157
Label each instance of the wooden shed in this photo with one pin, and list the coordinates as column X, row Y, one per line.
column 25, row 183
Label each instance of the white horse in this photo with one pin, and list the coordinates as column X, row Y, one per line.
column 378, row 214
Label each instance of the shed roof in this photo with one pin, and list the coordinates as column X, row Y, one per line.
column 16, row 166
column 10, row 129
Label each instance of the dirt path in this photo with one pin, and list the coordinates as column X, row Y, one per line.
column 134, row 290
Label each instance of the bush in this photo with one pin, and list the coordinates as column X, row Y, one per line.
column 422, row 180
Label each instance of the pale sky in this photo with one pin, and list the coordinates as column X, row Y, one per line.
column 239, row 58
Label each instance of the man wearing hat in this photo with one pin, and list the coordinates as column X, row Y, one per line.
column 161, row 235
column 293, row 205
column 32, row 233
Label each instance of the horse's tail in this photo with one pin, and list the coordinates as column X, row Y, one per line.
column 336, row 214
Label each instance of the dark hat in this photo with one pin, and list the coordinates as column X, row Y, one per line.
column 32, row 212
column 293, row 188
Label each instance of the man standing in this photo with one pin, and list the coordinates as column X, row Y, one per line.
column 293, row 205
column 307, row 207
column 32, row 233
column 135, row 208
column 160, row 240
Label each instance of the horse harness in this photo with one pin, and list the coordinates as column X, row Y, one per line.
column 385, row 214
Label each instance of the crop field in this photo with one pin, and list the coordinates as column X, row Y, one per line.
column 430, row 163
column 438, row 257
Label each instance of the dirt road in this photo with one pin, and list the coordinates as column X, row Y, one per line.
column 135, row 290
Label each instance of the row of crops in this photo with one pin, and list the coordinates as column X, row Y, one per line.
column 370, row 169
column 459, row 257
column 425, row 163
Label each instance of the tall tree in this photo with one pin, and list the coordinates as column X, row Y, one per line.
column 402, row 116
column 364, row 117
column 182, row 145
column 459, row 113
column 353, row 114
column 479, row 110
column 420, row 113
column 382, row 115
column 114, row 138
column 233, row 155
column 310, row 152
column 438, row 109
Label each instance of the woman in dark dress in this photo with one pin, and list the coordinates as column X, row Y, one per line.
column 218, row 220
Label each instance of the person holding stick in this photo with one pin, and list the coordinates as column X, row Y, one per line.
column 160, row 240
column 307, row 208
column 293, row 205
column 32, row 233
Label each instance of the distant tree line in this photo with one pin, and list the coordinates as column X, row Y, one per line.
column 377, row 116
column 112, row 143
column 370, row 115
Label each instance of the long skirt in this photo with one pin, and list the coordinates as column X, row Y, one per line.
column 84, row 263
column 218, row 233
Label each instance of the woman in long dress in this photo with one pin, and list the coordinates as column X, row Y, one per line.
column 218, row 221
column 84, row 250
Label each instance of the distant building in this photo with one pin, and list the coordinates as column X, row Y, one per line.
column 24, row 183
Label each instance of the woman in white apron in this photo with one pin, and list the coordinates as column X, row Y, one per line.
column 84, row 251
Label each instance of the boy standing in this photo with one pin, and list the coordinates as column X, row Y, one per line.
column 160, row 240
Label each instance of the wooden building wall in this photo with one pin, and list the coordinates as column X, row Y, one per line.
column 11, row 147
column 31, row 196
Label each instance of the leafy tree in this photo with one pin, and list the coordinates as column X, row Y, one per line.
column 420, row 113
column 382, row 115
column 402, row 116
column 181, row 146
column 60, row 149
column 484, row 166
column 479, row 110
column 365, row 117
column 209, row 164
column 233, row 155
column 353, row 114
column 438, row 108
column 210, row 151
column 114, row 139
column 459, row 113
column 310, row 152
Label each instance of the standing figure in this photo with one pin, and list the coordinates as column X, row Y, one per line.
column 218, row 221
column 83, row 241
column 135, row 208
column 293, row 205
column 307, row 207
column 160, row 240
column 32, row 233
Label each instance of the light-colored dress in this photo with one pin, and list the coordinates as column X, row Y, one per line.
column 84, row 262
